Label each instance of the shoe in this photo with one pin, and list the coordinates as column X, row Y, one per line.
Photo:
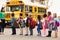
column 13, row 34
column 21, row 34
column 0, row 33
column 38, row 35
column 26, row 34
column 48, row 36
column 31, row 34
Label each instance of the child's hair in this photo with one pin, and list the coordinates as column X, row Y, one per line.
column 12, row 14
column 55, row 15
column 21, row 14
column 39, row 17
column 49, row 13
column 45, row 15
column 26, row 14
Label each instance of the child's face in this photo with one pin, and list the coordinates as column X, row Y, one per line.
column 54, row 15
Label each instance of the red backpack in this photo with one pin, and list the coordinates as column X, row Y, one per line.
column 32, row 24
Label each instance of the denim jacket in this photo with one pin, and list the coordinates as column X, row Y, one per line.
column 12, row 21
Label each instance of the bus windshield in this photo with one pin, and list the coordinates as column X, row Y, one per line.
column 14, row 8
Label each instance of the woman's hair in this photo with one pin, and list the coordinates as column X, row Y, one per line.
column 49, row 13
column 39, row 17
column 2, row 9
column 45, row 15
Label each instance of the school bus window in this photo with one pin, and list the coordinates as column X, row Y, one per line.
column 43, row 10
column 39, row 9
column 26, row 8
column 30, row 8
column 17, row 8
column 8, row 9
column 22, row 8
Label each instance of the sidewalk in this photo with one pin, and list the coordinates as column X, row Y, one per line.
column 8, row 36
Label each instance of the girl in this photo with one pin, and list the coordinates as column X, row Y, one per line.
column 39, row 25
column 21, row 24
column 13, row 20
column 2, row 20
column 50, row 24
column 44, row 23
column 56, row 20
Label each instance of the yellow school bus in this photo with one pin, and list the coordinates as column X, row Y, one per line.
column 24, row 6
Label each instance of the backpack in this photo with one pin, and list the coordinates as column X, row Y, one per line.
column 22, row 23
column 32, row 24
column 57, row 24
column 15, row 24
column 46, row 24
column 27, row 22
column 41, row 27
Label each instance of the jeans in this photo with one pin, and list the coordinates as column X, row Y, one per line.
column 31, row 31
column 13, row 30
column 39, row 31
column 2, row 29
column 50, row 26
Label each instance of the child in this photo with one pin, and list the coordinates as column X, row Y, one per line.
column 22, row 24
column 44, row 23
column 26, row 24
column 29, row 23
column 56, row 20
column 13, row 20
column 50, row 24
column 2, row 20
column 39, row 25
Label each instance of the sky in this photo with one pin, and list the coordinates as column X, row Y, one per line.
column 2, row 3
column 54, row 6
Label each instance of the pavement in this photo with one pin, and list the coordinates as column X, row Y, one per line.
column 7, row 35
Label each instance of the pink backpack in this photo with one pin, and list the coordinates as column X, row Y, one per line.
column 57, row 24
